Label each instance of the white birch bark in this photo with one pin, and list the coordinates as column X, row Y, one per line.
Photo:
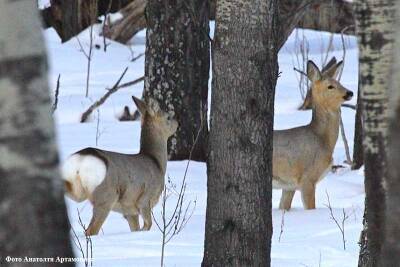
column 32, row 209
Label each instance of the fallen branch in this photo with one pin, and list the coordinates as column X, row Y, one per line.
column 99, row 102
column 349, row 106
column 334, row 168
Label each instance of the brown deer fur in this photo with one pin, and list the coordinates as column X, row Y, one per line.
column 302, row 155
column 129, row 184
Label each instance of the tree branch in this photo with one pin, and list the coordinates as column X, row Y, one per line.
column 99, row 102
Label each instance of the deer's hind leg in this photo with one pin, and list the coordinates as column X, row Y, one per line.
column 103, row 201
column 133, row 221
column 286, row 199
column 132, row 216
column 145, row 211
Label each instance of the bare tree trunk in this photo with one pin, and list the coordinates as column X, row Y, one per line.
column 391, row 248
column 32, row 211
column 177, row 70
column 245, row 69
column 375, row 31
column 358, row 152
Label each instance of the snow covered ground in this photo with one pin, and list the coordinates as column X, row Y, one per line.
column 301, row 238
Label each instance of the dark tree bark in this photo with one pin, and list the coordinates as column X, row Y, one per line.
column 376, row 36
column 329, row 16
column 326, row 15
column 132, row 22
column 358, row 152
column 245, row 69
column 391, row 248
column 177, row 70
column 33, row 218
column 70, row 17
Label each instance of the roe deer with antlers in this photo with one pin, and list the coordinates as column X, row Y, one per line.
column 303, row 155
column 129, row 184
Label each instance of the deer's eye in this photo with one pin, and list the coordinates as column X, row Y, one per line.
column 331, row 87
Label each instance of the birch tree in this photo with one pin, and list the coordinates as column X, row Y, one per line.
column 33, row 219
column 375, row 34
column 239, row 167
column 391, row 248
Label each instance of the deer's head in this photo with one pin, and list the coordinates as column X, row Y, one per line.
column 155, row 118
column 326, row 91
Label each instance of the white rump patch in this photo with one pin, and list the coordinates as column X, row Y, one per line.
column 90, row 169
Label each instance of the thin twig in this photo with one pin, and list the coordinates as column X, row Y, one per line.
column 339, row 225
column 282, row 225
column 88, row 255
column 56, row 94
column 320, row 259
column 98, row 133
column 181, row 215
column 137, row 57
column 89, row 61
column 328, row 50
column 82, row 49
column 77, row 242
column 138, row 80
column 104, row 26
column 303, row 51
column 99, row 102
column 342, row 131
column 345, row 142
column 300, row 71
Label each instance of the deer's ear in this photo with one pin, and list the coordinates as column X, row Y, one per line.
column 313, row 72
column 141, row 105
column 329, row 65
column 307, row 104
column 333, row 72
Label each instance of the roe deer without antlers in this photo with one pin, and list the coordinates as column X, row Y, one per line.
column 129, row 184
column 303, row 155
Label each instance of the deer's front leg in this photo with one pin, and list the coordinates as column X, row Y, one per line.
column 308, row 195
column 286, row 199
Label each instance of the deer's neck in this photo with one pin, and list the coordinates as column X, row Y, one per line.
column 153, row 144
column 325, row 123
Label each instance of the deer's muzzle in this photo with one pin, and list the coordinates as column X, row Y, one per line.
column 348, row 96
